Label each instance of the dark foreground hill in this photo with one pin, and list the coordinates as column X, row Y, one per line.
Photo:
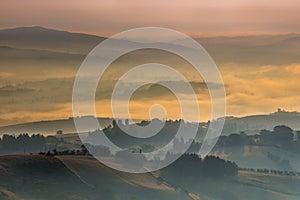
column 82, row 177
column 45, row 177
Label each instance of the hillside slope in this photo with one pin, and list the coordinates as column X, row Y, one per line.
column 41, row 177
column 51, row 126
column 260, row 157
column 82, row 177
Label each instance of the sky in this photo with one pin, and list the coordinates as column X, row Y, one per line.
column 194, row 17
column 254, row 83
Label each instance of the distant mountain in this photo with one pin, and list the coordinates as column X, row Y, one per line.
column 254, row 50
column 260, row 49
column 48, row 39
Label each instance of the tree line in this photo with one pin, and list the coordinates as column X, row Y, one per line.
column 25, row 143
column 271, row 171
column 192, row 168
column 281, row 136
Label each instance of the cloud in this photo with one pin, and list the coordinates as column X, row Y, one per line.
column 6, row 74
column 250, row 90
column 36, row 96
column 262, row 89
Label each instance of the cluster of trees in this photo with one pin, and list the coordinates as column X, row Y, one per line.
column 85, row 149
column 82, row 151
column 191, row 168
column 116, row 134
column 270, row 171
column 280, row 136
column 24, row 143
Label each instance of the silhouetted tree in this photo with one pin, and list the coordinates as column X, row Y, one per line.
column 298, row 135
column 84, row 150
column 283, row 134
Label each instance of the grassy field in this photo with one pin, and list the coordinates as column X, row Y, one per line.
column 248, row 186
column 82, row 177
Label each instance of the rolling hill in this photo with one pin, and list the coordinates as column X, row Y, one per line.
column 82, row 177
column 260, row 157
column 40, row 177
column 254, row 123
column 50, row 127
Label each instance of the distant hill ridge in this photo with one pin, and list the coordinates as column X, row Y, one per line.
column 38, row 37
column 255, row 49
column 50, row 127
column 250, row 124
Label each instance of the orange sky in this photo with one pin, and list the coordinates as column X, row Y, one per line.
column 195, row 17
